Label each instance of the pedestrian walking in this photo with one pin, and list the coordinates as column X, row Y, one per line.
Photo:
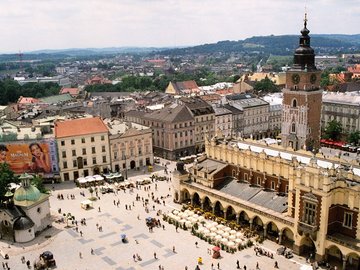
column 134, row 257
column 99, row 209
column 81, row 233
column 237, row 264
column 92, row 252
column 80, row 255
column 196, row 244
column 155, row 255
column 174, row 249
column 257, row 265
column 218, row 265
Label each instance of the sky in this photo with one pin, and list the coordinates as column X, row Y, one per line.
column 27, row 25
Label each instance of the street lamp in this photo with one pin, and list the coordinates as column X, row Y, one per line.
column 126, row 177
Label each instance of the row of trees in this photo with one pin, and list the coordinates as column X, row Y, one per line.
column 11, row 90
column 160, row 82
column 334, row 131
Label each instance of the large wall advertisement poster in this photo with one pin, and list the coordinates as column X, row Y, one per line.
column 30, row 156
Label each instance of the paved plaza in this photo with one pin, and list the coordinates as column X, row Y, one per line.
column 108, row 250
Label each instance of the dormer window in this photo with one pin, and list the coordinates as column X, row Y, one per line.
column 293, row 128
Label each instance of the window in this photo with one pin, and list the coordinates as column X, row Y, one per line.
column 76, row 175
column 103, row 148
column 175, row 135
column 66, row 177
column 85, row 161
column 62, row 143
column 293, row 128
column 80, row 162
column 93, row 150
column 246, row 178
column 102, row 137
column 74, row 153
column 73, row 142
column 92, row 139
column 63, row 154
column 82, row 140
column 309, row 213
column 348, row 217
column 94, row 160
column 258, row 181
column 140, row 150
column 84, row 151
column 86, row 173
column 74, row 163
column 131, row 152
column 287, row 189
column 273, row 185
column 104, row 159
column 65, row 165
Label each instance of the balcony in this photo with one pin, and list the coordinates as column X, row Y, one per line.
column 307, row 228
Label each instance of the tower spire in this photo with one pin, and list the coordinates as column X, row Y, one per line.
column 305, row 19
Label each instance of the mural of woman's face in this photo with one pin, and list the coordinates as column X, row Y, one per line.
column 2, row 156
column 35, row 150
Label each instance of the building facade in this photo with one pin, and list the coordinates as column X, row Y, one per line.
column 223, row 120
column 294, row 198
column 343, row 108
column 255, row 113
column 130, row 146
column 302, row 99
column 83, row 147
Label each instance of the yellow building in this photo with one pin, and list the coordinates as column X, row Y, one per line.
column 307, row 203
column 83, row 147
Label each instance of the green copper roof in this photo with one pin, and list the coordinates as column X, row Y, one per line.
column 29, row 193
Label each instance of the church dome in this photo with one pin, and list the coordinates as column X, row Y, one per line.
column 304, row 50
column 23, row 223
column 28, row 193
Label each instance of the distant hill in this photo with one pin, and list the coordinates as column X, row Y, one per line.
column 279, row 45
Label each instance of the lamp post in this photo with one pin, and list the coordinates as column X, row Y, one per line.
column 126, row 177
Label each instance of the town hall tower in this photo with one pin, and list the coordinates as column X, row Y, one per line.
column 302, row 99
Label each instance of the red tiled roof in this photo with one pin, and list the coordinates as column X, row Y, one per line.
column 78, row 127
column 71, row 91
column 27, row 100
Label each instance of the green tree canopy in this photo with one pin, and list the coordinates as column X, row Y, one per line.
column 354, row 138
column 6, row 177
column 266, row 85
column 333, row 130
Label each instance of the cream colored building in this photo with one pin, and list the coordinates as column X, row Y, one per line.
column 83, row 147
column 294, row 198
column 130, row 145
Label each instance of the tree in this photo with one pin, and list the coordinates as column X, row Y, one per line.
column 266, row 85
column 354, row 138
column 333, row 130
column 37, row 181
column 6, row 177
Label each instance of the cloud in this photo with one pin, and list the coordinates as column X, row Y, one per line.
column 38, row 24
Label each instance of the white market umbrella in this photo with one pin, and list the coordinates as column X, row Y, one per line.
column 212, row 235
column 213, row 229
column 187, row 211
column 209, row 225
column 176, row 212
column 226, row 234
column 82, row 180
column 220, row 232
column 231, row 244
column 227, row 229
column 238, row 241
column 218, row 237
column 233, row 232
column 201, row 218
column 98, row 177
column 232, row 237
column 206, row 231
column 239, row 234
column 224, row 241
column 220, row 226
column 188, row 224
column 196, row 216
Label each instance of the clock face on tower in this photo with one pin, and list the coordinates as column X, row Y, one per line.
column 295, row 78
column 313, row 78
